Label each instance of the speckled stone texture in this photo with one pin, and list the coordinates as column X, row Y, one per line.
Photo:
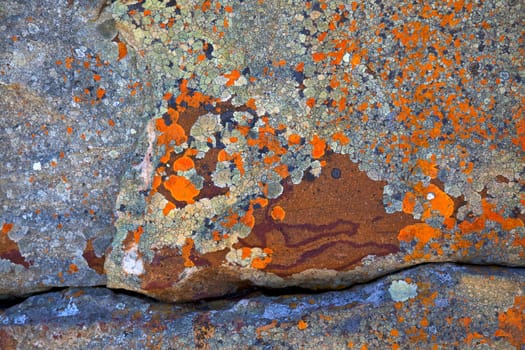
column 68, row 124
column 320, row 144
column 188, row 150
column 450, row 307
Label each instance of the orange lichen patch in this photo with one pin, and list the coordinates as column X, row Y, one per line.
column 181, row 188
column 72, row 268
column 183, row 164
column 440, row 202
column 251, row 104
column 282, row 170
column 422, row 232
column 512, row 323
column 258, row 263
column 506, row 223
column 122, row 50
column 302, row 325
column 409, row 202
column 232, row 77
column 318, row 56
column 248, row 219
column 278, row 213
column 341, row 138
column 265, row 328
column 186, row 252
column 137, row 233
column 319, row 147
column 168, row 208
column 174, row 132
column 246, row 252
column 6, row 227
column 262, row 202
column 429, row 168
column 100, row 93
column 294, row 139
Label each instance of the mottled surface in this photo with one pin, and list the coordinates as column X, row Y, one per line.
column 449, row 307
column 68, row 123
column 320, row 144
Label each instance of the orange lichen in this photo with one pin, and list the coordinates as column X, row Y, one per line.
column 181, row 188
column 302, row 325
column 420, row 231
column 137, row 233
column 232, row 77
column 278, row 213
column 512, row 323
column 174, row 132
column 122, row 50
column 341, row 138
column 72, row 268
column 186, row 252
column 261, row 263
column 294, row 139
column 440, row 202
column 183, row 164
column 6, row 227
column 429, row 168
column 409, row 203
column 319, row 147
column 168, row 208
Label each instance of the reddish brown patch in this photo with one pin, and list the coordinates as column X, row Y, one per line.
column 7, row 342
column 330, row 223
column 94, row 262
column 9, row 249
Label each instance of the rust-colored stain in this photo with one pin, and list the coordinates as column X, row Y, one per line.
column 9, row 249
column 331, row 222
column 7, row 342
column 93, row 261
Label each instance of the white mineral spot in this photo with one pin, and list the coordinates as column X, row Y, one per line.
column 132, row 131
column 131, row 263
column 70, row 310
column 37, row 166
column 430, row 196
column 402, row 291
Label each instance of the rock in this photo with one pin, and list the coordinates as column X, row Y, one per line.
column 66, row 124
column 235, row 185
column 451, row 306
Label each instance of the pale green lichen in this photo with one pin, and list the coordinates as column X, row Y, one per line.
column 402, row 291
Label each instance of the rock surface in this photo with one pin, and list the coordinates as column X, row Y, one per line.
column 429, row 306
column 188, row 150
column 320, row 144
column 68, row 125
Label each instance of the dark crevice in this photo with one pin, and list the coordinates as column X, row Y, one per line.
column 251, row 292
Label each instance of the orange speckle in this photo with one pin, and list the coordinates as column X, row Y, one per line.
column 181, row 188
column 258, row 263
column 409, row 202
column 251, row 104
column 111, row 123
column 186, row 252
column 100, row 93
column 228, row 9
column 302, row 325
column 96, row 77
column 319, row 147
column 122, row 50
column 429, row 168
column 6, row 227
column 69, row 130
column 137, row 233
column 341, row 138
column 183, row 164
column 278, row 213
column 73, row 268
column 232, row 77
column 147, row 13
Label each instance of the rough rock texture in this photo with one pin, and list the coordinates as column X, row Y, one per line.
column 193, row 149
column 430, row 306
column 320, row 144
column 68, row 124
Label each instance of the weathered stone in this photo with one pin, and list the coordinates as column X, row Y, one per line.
column 448, row 307
column 67, row 127
column 319, row 145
